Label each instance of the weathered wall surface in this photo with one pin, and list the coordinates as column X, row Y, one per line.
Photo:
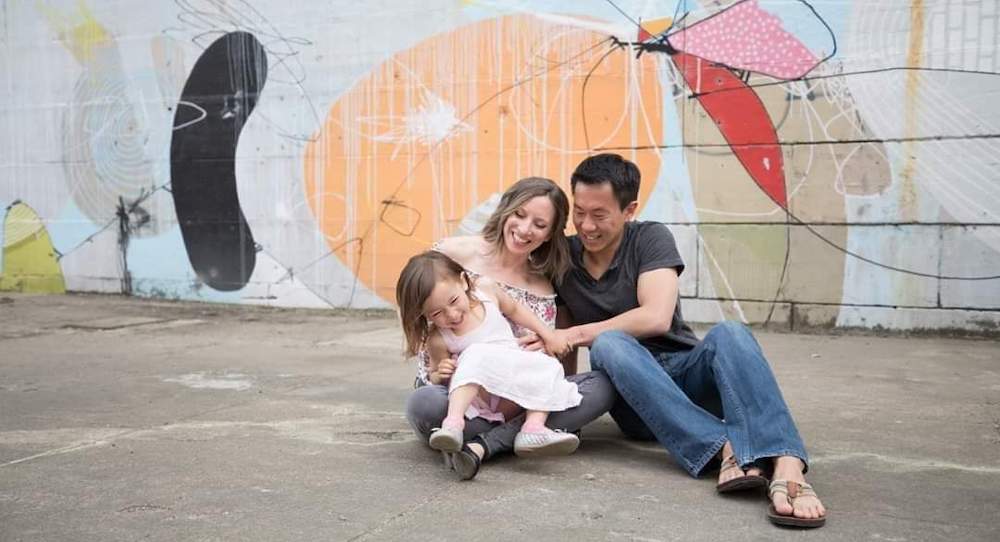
column 821, row 163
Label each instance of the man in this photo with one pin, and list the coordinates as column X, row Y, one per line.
column 700, row 399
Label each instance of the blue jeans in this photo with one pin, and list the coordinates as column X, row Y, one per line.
column 692, row 402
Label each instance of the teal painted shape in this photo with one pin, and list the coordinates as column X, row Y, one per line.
column 160, row 268
column 70, row 228
column 672, row 199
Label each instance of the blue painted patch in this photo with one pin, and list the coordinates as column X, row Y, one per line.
column 672, row 199
column 601, row 11
column 801, row 22
column 160, row 268
column 70, row 228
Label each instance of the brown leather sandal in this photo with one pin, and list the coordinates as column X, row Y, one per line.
column 742, row 483
column 792, row 491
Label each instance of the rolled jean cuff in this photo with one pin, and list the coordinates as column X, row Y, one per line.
column 696, row 468
column 800, row 454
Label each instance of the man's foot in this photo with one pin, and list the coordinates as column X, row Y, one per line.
column 733, row 478
column 793, row 501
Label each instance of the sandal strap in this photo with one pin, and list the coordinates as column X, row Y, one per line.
column 777, row 486
column 805, row 490
column 729, row 463
column 797, row 489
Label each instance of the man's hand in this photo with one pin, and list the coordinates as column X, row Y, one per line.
column 559, row 343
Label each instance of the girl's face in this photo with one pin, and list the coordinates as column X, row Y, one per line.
column 448, row 305
column 529, row 226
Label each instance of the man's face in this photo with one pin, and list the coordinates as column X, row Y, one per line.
column 598, row 219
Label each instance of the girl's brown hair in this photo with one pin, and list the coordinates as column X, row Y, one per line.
column 551, row 259
column 415, row 284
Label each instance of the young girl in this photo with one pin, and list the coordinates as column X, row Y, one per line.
column 442, row 308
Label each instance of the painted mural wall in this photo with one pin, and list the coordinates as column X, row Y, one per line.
column 821, row 163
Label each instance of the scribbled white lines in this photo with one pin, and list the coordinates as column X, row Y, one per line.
column 429, row 122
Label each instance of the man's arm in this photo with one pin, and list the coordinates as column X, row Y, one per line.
column 657, row 294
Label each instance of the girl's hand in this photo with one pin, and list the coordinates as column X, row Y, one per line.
column 530, row 341
column 445, row 369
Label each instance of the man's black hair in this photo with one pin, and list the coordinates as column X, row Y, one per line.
column 609, row 168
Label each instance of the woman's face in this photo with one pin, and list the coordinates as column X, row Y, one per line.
column 529, row 226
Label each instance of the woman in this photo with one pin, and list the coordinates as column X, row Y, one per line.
column 523, row 248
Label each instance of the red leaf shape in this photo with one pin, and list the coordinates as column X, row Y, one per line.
column 742, row 119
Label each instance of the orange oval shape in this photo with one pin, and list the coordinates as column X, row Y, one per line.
column 435, row 130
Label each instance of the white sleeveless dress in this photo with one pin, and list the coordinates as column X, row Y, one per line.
column 490, row 357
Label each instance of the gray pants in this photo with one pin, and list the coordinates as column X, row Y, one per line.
column 428, row 405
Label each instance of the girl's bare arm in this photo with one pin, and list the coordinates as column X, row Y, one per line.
column 521, row 315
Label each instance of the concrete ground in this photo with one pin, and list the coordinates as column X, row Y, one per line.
column 127, row 419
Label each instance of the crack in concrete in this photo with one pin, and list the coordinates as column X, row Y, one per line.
column 58, row 451
column 904, row 463
column 317, row 430
column 396, row 517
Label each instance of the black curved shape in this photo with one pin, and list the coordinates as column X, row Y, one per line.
column 219, row 94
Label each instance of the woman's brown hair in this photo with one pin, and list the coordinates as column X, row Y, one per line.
column 551, row 259
column 415, row 284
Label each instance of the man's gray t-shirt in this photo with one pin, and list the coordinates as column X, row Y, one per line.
column 645, row 246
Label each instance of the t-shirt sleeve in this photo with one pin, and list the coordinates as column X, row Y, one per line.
column 657, row 249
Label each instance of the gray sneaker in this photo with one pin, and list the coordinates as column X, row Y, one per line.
column 446, row 439
column 546, row 444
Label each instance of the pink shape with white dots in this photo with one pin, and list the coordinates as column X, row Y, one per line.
column 748, row 38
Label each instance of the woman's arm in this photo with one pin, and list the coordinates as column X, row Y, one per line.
column 442, row 366
column 463, row 249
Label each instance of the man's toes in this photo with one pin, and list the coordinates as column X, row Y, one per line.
column 810, row 511
column 782, row 506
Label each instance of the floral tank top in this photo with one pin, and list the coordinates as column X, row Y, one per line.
column 544, row 307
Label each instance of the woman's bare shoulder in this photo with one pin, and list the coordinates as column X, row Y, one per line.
column 539, row 285
column 488, row 287
column 466, row 249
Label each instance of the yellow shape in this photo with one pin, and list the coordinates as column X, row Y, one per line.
column 79, row 32
column 657, row 26
column 29, row 259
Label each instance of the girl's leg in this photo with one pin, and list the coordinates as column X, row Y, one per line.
column 449, row 437
column 534, row 421
column 536, row 440
column 458, row 402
